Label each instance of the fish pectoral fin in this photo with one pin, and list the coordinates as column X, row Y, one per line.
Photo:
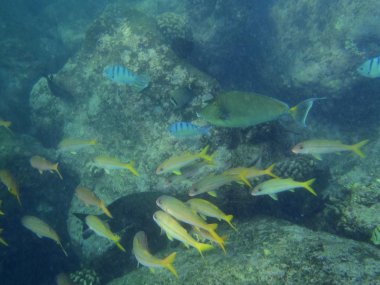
column 317, row 156
column 273, row 196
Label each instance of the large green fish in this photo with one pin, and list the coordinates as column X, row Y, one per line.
column 237, row 109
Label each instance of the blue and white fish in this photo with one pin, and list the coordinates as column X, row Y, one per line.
column 122, row 75
column 370, row 68
column 188, row 130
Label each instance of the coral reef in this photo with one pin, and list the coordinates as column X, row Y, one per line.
column 85, row 276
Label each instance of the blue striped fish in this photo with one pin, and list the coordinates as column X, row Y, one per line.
column 188, row 130
column 370, row 68
column 122, row 75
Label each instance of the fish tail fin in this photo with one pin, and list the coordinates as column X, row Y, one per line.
column 201, row 247
column 1, row 213
column 300, row 111
column 269, row 171
column 105, row 210
column 219, row 240
column 356, row 148
column 93, row 142
column 120, row 246
column 2, row 241
column 307, row 186
column 63, row 249
column 116, row 238
column 55, row 168
column 131, row 167
column 228, row 219
column 18, row 200
column 168, row 263
column 245, row 180
column 203, row 154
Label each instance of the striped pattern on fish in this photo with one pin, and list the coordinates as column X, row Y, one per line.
column 122, row 75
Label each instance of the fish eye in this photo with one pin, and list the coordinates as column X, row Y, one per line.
column 300, row 146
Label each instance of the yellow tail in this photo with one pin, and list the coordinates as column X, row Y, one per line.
column 120, row 246
column 203, row 154
column 307, row 186
column 131, row 168
column 105, row 210
column 56, row 170
column 242, row 177
column 168, row 263
column 228, row 219
column 3, row 242
column 217, row 238
column 356, row 148
column 201, row 247
column 116, row 240
column 269, row 171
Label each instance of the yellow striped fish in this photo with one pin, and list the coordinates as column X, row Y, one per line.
column 10, row 182
column 89, row 198
column 111, row 163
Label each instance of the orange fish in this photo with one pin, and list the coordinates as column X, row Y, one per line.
column 89, row 198
column 8, row 180
column 42, row 164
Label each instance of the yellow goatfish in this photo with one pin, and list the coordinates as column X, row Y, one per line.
column 184, row 213
column 42, row 164
column 102, row 229
column 72, row 145
column 246, row 173
column 8, row 180
column 110, row 163
column 144, row 257
column 210, row 183
column 175, row 163
column 207, row 209
column 41, row 229
column 202, row 235
column 2, row 241
column 276, row 185
column 318, row 147
column 63, row 279
column 174, row 230
column 89, row 198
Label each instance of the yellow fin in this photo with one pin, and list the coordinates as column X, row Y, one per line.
column 307, row 186
column 269, row 171
column 201, row 247
column 212, row 194
column 120, row 246
column 131, row 168
column 56, row 170
column 105, row 210
column 228, row 219
column 356, row 148
column 168, row 263
column 177, row 172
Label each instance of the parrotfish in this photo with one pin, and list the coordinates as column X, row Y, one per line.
column 73, row 145
column 144, row 257
column 122, row 75
column 184, row 213
column 174, row 230
column 42, row 164
column 175, row 163
column 183, row 130
column 276, row 185
column 207, row 209
column 102, row 229
column 370, row 68
column 318, row 147
column 89, row 198
column 242, row 109
column 10, row 182
column 111, row 163
column 41, row 229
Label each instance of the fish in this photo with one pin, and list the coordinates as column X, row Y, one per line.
column 102, row 229
column 375, row 238
column 144, row 257
column 210, row 183
column 207, row 209
column 6, row 124
column 183, row 130
column 246, row 173
column 2, row 241
column 42, row 164
column 10, row 182
column 202, row 235
column 180, row 97
column 320, row 146
column 237, row 109
column 89, row 198
column 184, row 213
column 72, row 145
column 124, row 76
column 276, row 185
column 175, row 163
column 63, row 279
column 111, row 163
column 370, row 68
column 41, row 229
column 174, row 230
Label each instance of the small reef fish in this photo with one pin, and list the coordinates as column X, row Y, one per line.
column 175, row 163
column 144, row 257
column 73, row 145
column 183, row 130
column 207, row 209
column 174, row 230
column 63, row 279
column 111, row 163
column 42, row 164
column 210, row 183
column 202, row 235
column 2, row 241
column 318, row 147
column 10, row 182
column 237, row 109
column 102, row 229
column 246, row 173
column 276, row 185
column 89, row 198
column 370, row 68
column 184, row 213
column 6, row 125
column 122, row 75
column 41, row 229
column 375, row 238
